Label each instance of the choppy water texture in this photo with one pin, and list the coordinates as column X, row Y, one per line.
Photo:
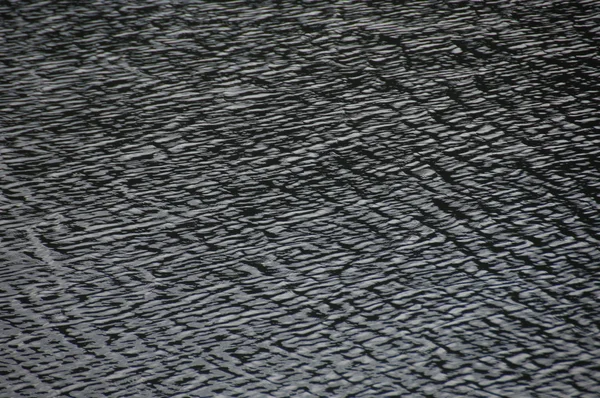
column 307, row 199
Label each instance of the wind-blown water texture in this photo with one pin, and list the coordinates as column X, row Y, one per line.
column 308, row 199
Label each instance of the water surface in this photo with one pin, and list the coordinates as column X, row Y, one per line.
column 293, row 198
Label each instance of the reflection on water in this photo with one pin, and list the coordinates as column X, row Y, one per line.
column 299, row 199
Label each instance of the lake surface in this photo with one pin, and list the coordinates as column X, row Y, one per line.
column 299, row 199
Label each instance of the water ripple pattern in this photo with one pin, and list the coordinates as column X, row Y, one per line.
column 299, row 198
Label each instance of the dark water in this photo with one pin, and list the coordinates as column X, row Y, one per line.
column 300, row 199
